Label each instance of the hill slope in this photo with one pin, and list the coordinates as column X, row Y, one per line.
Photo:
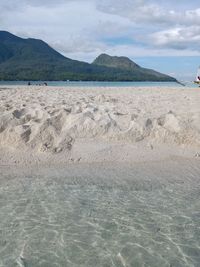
column 32, row 59
column 127, row 64
column 115, row 62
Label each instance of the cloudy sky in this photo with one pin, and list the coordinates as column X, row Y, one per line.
column 162, row 34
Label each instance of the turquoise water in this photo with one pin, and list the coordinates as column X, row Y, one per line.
column 100, row 84
column 101, row 216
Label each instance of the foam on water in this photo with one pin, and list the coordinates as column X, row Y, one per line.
column 101, row 215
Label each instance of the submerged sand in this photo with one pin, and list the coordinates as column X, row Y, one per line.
column 86, row 215
column 57, row 124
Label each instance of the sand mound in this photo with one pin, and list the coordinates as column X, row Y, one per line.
column 32, row 123
column 57, row 130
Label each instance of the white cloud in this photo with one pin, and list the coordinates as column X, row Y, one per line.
column 178, row 38
column 83, row 28
column 144, row 11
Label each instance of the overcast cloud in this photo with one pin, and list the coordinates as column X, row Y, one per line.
column 82, row 29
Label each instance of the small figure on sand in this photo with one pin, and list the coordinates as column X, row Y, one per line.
column 29, row 83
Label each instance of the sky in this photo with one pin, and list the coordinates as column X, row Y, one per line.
column 159, row 34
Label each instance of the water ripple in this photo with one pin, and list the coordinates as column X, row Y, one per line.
column 76, row 216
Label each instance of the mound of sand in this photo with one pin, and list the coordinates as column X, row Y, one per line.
column 51, row 120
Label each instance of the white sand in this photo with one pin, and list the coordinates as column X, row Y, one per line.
column 52, row 124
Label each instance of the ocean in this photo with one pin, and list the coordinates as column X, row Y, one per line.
column 100, row 84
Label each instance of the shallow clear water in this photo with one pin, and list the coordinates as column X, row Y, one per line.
column 101, row 215
column 100, row 84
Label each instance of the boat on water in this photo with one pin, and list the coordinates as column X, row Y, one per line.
column 197, row 81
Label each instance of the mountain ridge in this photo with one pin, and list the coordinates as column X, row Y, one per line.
column 115, row 61
column 33, row 59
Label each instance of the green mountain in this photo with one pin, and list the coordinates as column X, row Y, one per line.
column 116, row 62
column 32, row 59
column 127, row 64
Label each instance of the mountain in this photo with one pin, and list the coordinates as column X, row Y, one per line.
column 115, row 62
column 126, row 64
column 33, row 59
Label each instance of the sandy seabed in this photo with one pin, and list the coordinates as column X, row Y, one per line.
column 99, row 177
column 101, row 214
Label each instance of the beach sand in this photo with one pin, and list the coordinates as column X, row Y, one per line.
column 99, row 177
column 45, row 125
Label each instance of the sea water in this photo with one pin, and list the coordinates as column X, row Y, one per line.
column 101, row 215
column 100, row 84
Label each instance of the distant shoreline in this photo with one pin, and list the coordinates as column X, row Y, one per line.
column 96, row 83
